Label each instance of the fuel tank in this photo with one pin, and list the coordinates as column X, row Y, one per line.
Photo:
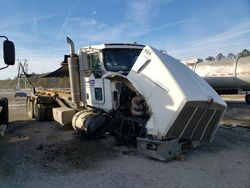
column 225, row 74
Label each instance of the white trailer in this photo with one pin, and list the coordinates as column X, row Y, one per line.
column 137, row 93
column 226, row 76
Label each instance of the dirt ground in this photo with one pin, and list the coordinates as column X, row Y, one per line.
column 43, row 154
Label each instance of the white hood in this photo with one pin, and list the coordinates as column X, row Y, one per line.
column 167, row 85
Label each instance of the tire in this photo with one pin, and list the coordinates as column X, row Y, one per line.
column 49, row 113
column 247, row 99
column 30, row 107
column 40, row 112
column 4, row 114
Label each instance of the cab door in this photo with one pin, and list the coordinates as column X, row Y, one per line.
column 94, row 83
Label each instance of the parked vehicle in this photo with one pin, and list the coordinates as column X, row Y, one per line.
column 9, row 59
column 20, row 94
column 227, row 76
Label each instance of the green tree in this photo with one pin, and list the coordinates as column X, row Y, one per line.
column 231, row 56
column 220, row 56
column 210, row 58
column 244, row 53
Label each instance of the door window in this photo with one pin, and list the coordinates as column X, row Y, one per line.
column 95, row 64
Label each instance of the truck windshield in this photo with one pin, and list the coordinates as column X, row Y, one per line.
column 120, row 59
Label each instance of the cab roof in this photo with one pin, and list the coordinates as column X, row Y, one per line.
column 114, row 45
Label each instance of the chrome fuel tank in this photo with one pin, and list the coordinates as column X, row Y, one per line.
column 232, row 73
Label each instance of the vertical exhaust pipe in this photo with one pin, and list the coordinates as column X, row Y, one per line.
column 73, row 64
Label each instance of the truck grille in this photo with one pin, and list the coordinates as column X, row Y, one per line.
column 197, row 121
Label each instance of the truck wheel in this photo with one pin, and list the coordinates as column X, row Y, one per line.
column 40, row 112
column 49, row 113
column 4, row 114
column 247, row 99
column 30, row 107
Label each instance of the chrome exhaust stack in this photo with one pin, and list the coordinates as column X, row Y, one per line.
column 73, row 64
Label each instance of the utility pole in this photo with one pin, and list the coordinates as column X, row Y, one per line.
column 22, row 71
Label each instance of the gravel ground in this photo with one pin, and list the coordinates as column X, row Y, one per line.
column 42, row 154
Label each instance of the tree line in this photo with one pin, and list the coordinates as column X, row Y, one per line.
column 37, row 82
column 220, row 56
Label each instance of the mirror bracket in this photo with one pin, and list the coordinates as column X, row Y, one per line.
column 4, row 67
column 4, row 37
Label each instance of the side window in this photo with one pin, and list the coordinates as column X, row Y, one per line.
column 95, row 64
column 98, row 93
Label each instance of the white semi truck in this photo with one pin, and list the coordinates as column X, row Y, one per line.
column 136, row 93
column 9, row 59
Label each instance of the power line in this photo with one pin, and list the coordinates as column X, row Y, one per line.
column 21, row 74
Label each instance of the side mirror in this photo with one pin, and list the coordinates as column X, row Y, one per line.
column 9, row 52
column 84, row 64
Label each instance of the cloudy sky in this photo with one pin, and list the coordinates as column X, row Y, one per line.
column 185, row 28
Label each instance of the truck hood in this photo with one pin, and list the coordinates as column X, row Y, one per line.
column 167, row 85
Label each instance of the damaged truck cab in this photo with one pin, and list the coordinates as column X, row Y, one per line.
column 139, row 94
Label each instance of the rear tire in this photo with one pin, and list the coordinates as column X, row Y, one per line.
column 247, row 99
column 49, row 113
column 30, row 107
column 40, row 112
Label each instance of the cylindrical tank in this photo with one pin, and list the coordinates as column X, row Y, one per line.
column 74, row 79
column 88, row 122
column 229, row 73
column 73, row 64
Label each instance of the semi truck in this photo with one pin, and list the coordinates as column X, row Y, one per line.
column 136, row 93
column 9, row 59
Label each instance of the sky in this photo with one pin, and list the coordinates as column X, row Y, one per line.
column 184, row 28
